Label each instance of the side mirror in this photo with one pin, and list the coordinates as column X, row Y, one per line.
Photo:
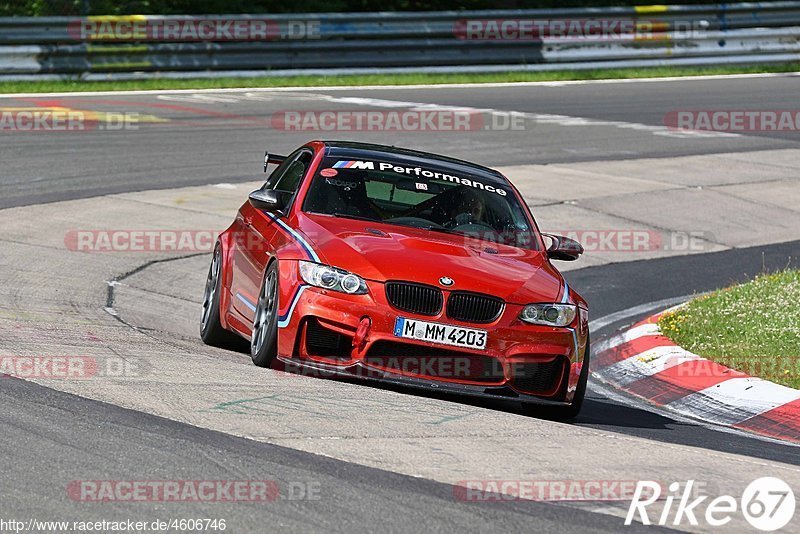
column 563, row 248
column 266, row 199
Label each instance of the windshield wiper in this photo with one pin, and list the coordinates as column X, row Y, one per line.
column 445, row 230
column 431, row 228
column 440, row 229
column 356, row 217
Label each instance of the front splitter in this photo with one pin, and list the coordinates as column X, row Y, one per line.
column 359, row 371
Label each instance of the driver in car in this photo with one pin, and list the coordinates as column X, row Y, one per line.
column 455, row 207
column 468, row 209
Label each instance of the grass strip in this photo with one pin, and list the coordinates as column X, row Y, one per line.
column 752, row 327
column 383, row 79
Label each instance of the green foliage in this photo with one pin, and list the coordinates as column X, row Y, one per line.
column 752, row 327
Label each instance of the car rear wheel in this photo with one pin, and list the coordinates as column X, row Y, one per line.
column 264, row 340
column 211, row 330
column 564, row 413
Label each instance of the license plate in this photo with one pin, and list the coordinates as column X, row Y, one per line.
column 443, row 334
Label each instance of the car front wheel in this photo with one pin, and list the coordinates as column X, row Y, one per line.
column 264, row 340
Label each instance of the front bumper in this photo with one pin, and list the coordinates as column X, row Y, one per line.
column 319, row 336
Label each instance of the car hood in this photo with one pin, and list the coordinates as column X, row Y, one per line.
column 382, row 252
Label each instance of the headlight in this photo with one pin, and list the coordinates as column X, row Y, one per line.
column 328, row 277
column 549, row 314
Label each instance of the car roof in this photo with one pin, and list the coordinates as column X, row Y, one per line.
column 370, row 151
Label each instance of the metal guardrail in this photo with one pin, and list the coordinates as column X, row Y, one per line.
column 49, row 47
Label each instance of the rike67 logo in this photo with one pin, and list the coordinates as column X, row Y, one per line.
column 767, row 504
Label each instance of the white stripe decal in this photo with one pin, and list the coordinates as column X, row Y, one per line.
column 299, row 238
column 735, row 400
column 247, row 302
column 283, row 323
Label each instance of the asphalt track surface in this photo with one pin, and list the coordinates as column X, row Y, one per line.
column 55, row 431
column 49, row 435
column 218, row 138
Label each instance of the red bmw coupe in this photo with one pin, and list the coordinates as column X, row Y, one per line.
column 403, row 266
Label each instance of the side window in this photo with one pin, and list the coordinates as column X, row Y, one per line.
column 290, row 180
column 287, row 177
column 280, row 170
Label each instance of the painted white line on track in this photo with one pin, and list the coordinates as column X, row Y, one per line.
column 538, row 118
column 488, row 85
column 602, row 322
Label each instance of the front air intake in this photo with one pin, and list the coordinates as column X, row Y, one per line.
column 415, row 298
column 474, row 307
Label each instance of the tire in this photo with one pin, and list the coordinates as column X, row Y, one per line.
column 565, row 413
column 211, row 331
column 264, row 340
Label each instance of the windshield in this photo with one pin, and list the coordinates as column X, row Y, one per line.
column 430, row 198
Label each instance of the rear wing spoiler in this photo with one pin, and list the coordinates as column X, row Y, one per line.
column 272, row 158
